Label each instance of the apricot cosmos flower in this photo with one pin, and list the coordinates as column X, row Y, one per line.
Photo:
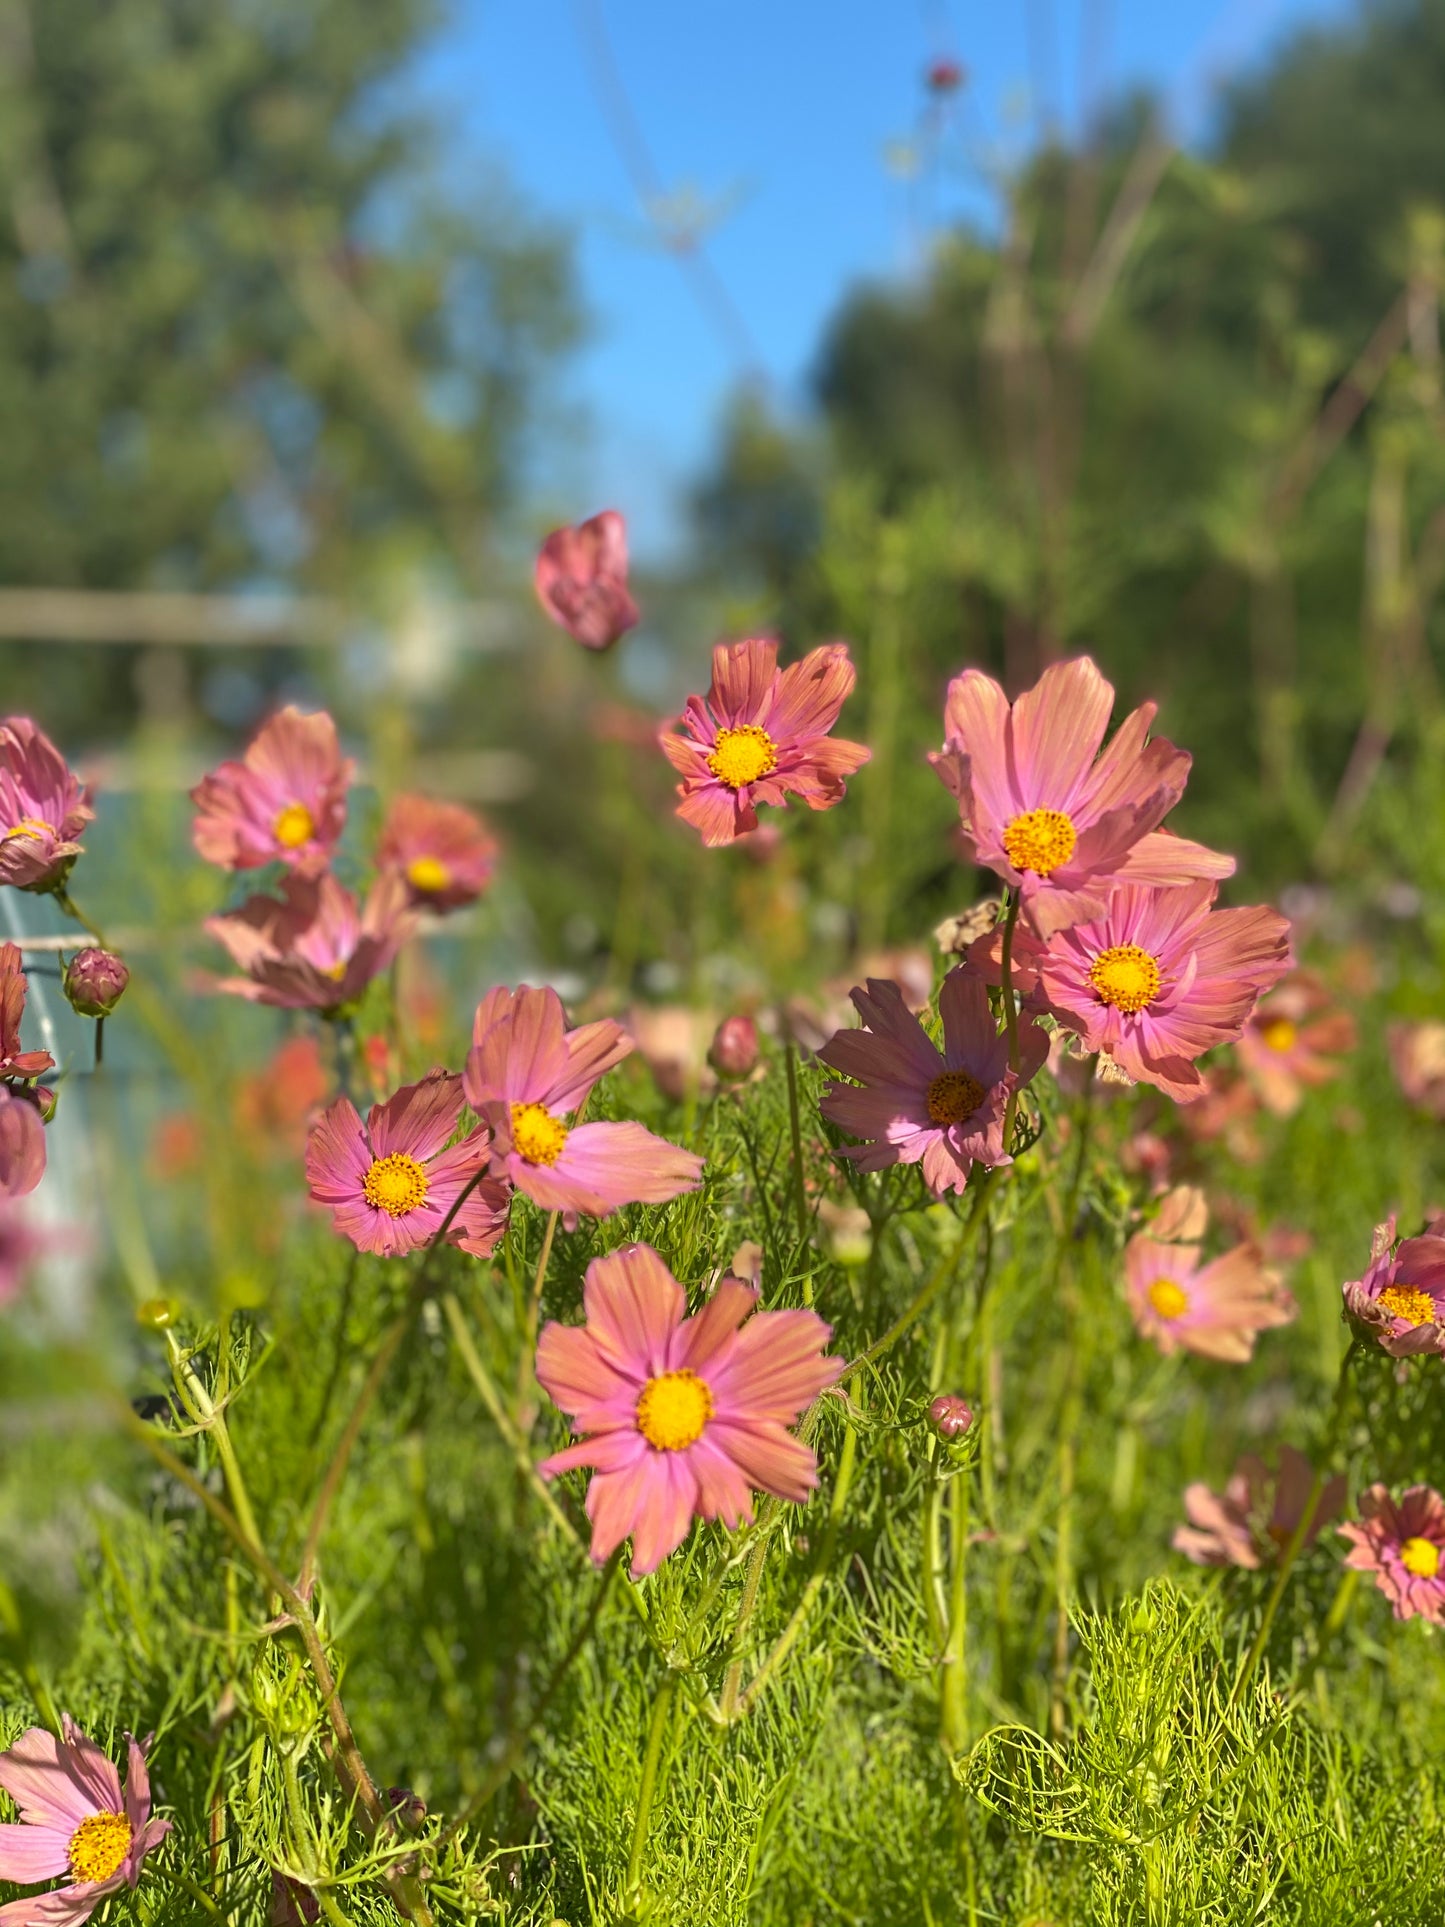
column 581, row 579
column 681, row 1417
column 312, row 949
column 391, row 1181
column 75, row 1820
column 43, row 808
column 444, row 853
column 15, row 1062
column 914, row 1103
column 1162, row 977
column 526, row 1073
column 283, row 802
column 1216, row 1309
column 1294, row 1039
column 1400, row 1301
column 760, row 735
column 1039, row 803
column 1403, row 1545
column 1257, row 1514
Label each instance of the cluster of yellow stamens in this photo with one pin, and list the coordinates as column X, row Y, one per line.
column 99, row 1845
column 1280, row 1034
column 294, row 826
column 395, row 1184
column 1126, row 977
column 953, row 1096
column 428, row 874
column 537, row 1136
column 1040, row 840
column 673, row 1409
column 32, row 826
column 1420, row 1557
column 742, row 755
column 1405, row 1301
column 1169, row 1299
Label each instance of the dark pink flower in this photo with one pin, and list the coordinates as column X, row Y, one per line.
column 1291, row 1041
column 15, row 1062
column 22, row 1144
column 1163, row 977
column 526, row 1072
column 445, row 853
column 43, row 808
column 1257, row 1514
column 760, row 735
column 75, row 1821
column 391, row 1181
column 1404, row 1546
column 680, row 1417
column 951, row 1414
column 581, row 579
column 914, row 1103
column 95, row 981
column 1041, row 805
column 312, row 949
column 1401, row 1298
column 1216, row 1309
column 284, row 802
column 733, row 1052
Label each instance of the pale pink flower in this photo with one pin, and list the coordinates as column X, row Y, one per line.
column 15, row 1062
column 22, row 1143
column 74, row 1820
column 581, row 578
column 1214, row 1309
column 43, row 808
column 313, row 949
column 672, row 1040
column 526, row 1073
column 1039, row 803
column 1257, row 1514
column 21, row 1243
column 1401, row 1299
column 679, row 1417
column 1404, row 1546
column 916, row 1103
column 760, row 735
column 1161, row 978
column 1291, row 1041
column 284, row 802
column 1417, row 1057
column 445, row 853
column 391, row 1181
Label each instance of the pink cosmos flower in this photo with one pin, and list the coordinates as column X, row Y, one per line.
column 581, row 579
column 1403, row 1545
column 74, row 1820
column 284, row 802
column 21, row 1243
column 445, row 853
column 679, row 1417
column 525, row 1072
column 1216, row 1310
column 312, row 949
column 1417, row 1057
column 1247, row 1524
column 22, row 1143
column 914, row 1103
column 391, row 1181
column 761, row 734
column 1043, row 807
column 1401, row 1298
column 1162, row 977
column 15, row 1062
column 43, row 808
column 1290, row 1042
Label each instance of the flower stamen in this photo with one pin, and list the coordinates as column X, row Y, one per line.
column 1280, row 1033
column 1168, row 1299
column 537, row 1136
column 428, row 874
column 34, row 827
column 1405, row 1301
column 1040, row 840
column 395, row 1184
column 99, row 1845
column 953, row 1096
column 740, row 756
column 294, row 826
column 1126, row 977
column 673, row 1410
column 1420, row 1558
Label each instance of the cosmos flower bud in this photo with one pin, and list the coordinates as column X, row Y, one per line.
column 95, row 982
column 734, row 1049
column 951, row 1415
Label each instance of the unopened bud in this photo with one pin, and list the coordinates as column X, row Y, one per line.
column 951, row 1415
column 95, row 982
column 734, row 1050
column 45, row 1098
column 406, row 1807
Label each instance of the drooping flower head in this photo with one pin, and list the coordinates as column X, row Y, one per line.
column 313, row 949
column 445, row 853
column 1404, row 1546
column 760, row 735
column 914, row 1103
column 1257, row 1515
column 679, row 1417
column 22, row 1143
column 74, row 1821
column 15, row 1062
column 284, row 802
column 1161, row 977
column 43, row 808
column 526, row 1073
column 391, row 1181
column 1040, row 804
column 1293, row 1040
column 581, row 578
column 1215, row 1309
column 1400, row 1301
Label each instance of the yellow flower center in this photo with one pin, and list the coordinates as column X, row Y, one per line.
column 1040, row 840
column 1280, row 1033
column 537, row 1136
column 742, row 755
column 32, row 826
column 428, row 874
column 334, row 971
column 294, row 826
column 1168, row 1299
column 1420, row 1557
column 673, row 1409
column 99, row 1845
column 395, row 1184
column 1126, row 977
column 953, row 1096
column 1404, row 1301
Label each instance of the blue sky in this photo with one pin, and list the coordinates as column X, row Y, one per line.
column 789, row 123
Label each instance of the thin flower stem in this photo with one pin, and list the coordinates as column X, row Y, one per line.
column 67, row 904
column 651, row 1760
column 1010, row 1015
column 795, row 1128
column 209, row 1415
column 942, row 1275
column 526, row 1363
column 955, row 1676
column 733, row 1679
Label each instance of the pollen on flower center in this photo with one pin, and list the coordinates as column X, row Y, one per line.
column 1404, row 1301
column 537, row 1136
column 742, row 755
column 1280, row 1034
column 1168, row 1299
column 1421, row 1557
column 395, row 1184
column 1040, row 840
column 294, row 826
column 953, row 1096
column 673, row 1409
column 1126, row 977
column 428, row 874
column 32, row 826
column 99, row 1845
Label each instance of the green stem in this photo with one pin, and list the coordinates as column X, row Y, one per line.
column 795, row 1128
column 651, row 1760
column 733, row 1680
column 1010, row 1015
column 209, row 1414
column 526, row 1362
column 942, row 1275
column 67, row 904
column 955, row 1677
